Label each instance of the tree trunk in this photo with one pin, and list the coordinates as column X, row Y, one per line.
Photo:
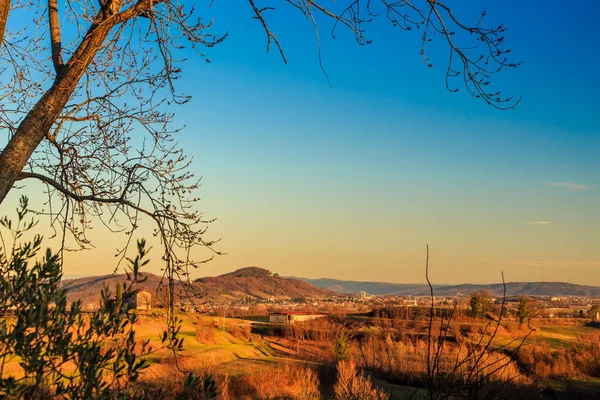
column 4, row 9
column 40, row 119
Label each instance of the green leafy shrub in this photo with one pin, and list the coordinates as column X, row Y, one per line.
column 62, row 352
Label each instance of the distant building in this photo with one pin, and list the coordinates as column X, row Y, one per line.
column 139, row 299
column 289, row 317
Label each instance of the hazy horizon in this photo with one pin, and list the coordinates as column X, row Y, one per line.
column 424, row 282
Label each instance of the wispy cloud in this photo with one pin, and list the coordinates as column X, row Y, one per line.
column 538, row 223
column 570, row 186
column 551, row 264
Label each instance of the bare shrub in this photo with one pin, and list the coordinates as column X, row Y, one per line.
column 167, row 381
column 561, row 363
column 205, row 334
column 286, row 382
column 241, row 331
column 353, row 385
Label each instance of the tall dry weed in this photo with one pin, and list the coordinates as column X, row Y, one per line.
column 285, row 382
column 353, row 385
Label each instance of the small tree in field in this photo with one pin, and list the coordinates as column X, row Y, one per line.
column 479, row 304
column 342, row 347
column 523, row 311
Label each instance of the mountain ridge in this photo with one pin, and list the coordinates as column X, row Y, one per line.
column 422, row 289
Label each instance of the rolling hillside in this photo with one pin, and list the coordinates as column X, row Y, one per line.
column 402, row 289
column 88, row 289
column 251, row 282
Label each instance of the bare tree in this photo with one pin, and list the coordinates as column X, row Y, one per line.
column 88, row 90
column 88, row 116
column 479, row 362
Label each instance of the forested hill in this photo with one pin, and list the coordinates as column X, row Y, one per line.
column 418, row 289
column 257, row 283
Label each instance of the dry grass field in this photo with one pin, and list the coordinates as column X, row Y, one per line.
column 383, row 359
column 556, row 358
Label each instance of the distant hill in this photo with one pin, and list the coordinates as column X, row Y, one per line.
column 257, row 283
column 251, row 282
column 88, row 289
column 340, row 286
column 418, row 289
column 248, row 272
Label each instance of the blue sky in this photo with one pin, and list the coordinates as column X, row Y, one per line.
column 352, row 181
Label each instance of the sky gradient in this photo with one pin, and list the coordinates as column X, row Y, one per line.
column 353, row 181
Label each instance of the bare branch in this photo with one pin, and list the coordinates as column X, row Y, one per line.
column 475, row 52
column 259, row 15
column 56, row 44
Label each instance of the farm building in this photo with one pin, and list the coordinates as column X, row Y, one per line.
column 289, row 317
column 139, row 299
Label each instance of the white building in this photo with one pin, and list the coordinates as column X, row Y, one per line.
column 289, row 317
